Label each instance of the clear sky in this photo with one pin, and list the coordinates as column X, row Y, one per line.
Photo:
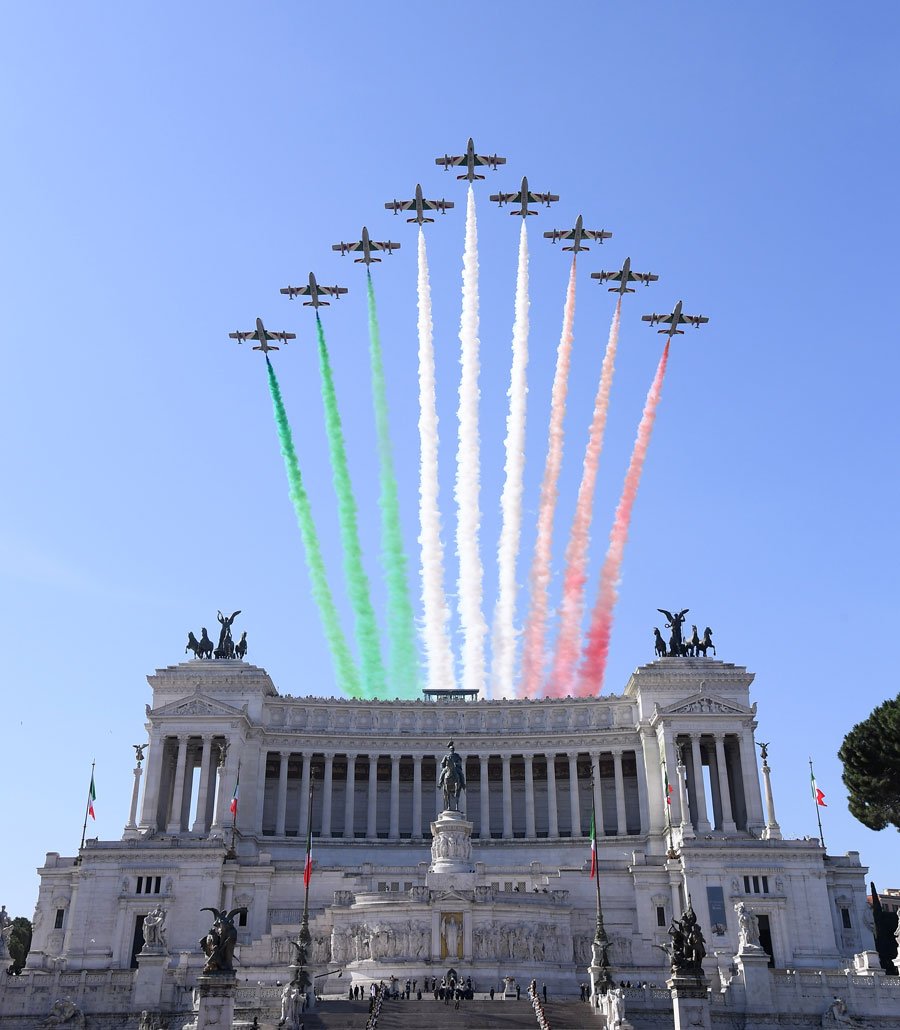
column 169, row 166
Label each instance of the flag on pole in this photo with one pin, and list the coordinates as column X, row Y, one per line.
column 92, row 797
column 818, row 795
column 307, row 869
column 234, row 797
column 593, row 846
column 669, row 787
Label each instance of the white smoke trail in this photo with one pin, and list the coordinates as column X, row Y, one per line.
column 438, row 652
column 504, row 632
column 468, row 469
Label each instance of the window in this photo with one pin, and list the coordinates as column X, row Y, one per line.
column 149, row 884
column 60, row 915
column 660, row 915
column 756, row 885
column 242, row 918
column 746, row 884
column 765, row 884
column 845, row 919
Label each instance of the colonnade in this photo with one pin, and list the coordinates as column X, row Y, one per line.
column 723, row 757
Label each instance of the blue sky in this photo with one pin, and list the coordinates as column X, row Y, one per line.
column 170, row 166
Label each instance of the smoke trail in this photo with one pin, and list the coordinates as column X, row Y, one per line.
column 434, row 602
column 357, row 581
column 575, row 576
column 401, row 627
column 596, row 648
column 536, row 626
column 468, row 468
column 345, row 668
column 504, row 632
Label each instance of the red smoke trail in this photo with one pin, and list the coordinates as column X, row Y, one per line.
column 596, row 650
column 568, row 642
column 536, row 627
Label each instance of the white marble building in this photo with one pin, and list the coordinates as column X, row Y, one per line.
column 521, row 903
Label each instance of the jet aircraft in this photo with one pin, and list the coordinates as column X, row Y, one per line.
column 314, row 291
column 366, row 246
column 420, row 205
column 471, row 160
column 623, row 277
column 524, row 197
column 263, row 335
column 674, row 320
column 578, row 234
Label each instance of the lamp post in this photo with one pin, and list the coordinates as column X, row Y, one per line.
column 599, row 968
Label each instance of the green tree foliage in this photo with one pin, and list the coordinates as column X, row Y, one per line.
column 19, row 942
column 871, row 757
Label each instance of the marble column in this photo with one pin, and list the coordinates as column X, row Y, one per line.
column 530, row 831
column 200, row 823
column 281, row 797
column 417, row 798
column 507, row 798
column 687, row 829
column 621, row 821
column 394, row 829
column 750, row 780
column 697, row 759
column 552, row 813
column 303, row 821
column 772, row 830
column 220, row 758
column 671, row 753
column 574, row 799
column 484, row 829
column 132, row 818
column 150, row 808
column 350, row 799
column 326, row 796
column 598, row 795
column 724, row 791
column 643, row 804
column 174, row 823
column 372, row 812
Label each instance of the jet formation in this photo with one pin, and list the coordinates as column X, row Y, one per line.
column 522, row 200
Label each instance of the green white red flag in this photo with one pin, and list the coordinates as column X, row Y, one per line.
column 818, row 795
column 593, row 846
column 234, row 797
column 669, row 787
column 307, row 869
column 92, row 797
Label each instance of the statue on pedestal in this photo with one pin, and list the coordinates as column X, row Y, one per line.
column 155, row 930
column 688, row 947
column 748, row 929
column 218, row 944
column 452, row 779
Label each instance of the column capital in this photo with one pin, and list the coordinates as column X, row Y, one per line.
column 351, row 756
column 395, row 759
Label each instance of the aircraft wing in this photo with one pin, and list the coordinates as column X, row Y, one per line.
column 694, row 320
column 657, row 319
column 240, row 337
column 557, row 234
column 450, row 162
column 284, row 337
column 333, row 291
column 543, row 198
column 399, row 205
column 436, row 205
column 346, row 248
column 597, row 234
column 491, row 160
column 606, row 277
column 506, row 198
column 640, row 277
column 387, row 245
column 295, row 291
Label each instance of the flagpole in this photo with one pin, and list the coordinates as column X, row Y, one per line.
column 304, row 938
column 231, row 852
column 812, row 777
column 604, row 981
column 87, row 806
column 672, row 853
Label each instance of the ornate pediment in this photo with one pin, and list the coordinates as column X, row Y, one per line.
column 452, row 895
column 197, row 705
column 705, row 704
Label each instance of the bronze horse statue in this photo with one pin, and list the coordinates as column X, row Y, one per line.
column 659, row 644
column 692, row 644
column 706, row 643
column 240, row 648
column 202, row 648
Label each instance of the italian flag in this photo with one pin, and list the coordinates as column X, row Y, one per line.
column 307, row 869
column 92, row 797
column 234, row 797
column 818, row 795
column 669, row 787
column 593, row 846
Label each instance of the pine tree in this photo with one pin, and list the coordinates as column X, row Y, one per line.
column 871, row 757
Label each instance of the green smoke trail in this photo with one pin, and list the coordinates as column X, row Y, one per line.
column 403, row 661
column 345, row 667
column 357, row 581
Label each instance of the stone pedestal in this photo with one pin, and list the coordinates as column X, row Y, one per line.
column 451, row 853
column 690, row 1001
column 867, row 963
column 216, row 1010
column 148, row 981
column 753, row 964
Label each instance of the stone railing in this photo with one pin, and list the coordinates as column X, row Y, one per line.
column 106, row 990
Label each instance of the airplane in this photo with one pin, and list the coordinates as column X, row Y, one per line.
column 623, row 277
column 366, row 246
column 578, row 234
column 420, row 204
column 263, row 335
column 674, row 320
column 471, row 160
column 524, row 197
column 314, row 291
